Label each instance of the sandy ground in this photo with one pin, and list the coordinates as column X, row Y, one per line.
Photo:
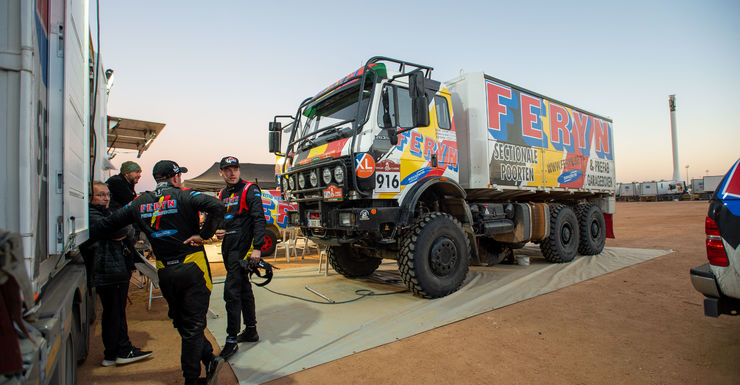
column 642, row 324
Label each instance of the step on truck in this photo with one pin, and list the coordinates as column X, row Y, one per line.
column 53, row 135
column 389, row 163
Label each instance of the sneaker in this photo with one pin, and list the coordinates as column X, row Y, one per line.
column 107, row 363
column 248, row 335
column 228, row 350
column 133, row 355
column 213, row 368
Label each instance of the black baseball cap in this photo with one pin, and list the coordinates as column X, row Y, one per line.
column 166, row 169
column 228, row 161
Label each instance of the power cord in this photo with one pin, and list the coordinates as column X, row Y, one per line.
column 361, row 293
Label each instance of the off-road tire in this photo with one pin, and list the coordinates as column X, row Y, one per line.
column 434, row 256
column 592, row 229
column 561, row 245
column 268, row 248
column 350, row 262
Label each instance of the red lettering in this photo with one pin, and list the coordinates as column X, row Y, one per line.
column 529, row 118
column 495, row 108
column 429, row 147
column 601, row 135
column 415, row 145
column 580, row 128
column 559, row 120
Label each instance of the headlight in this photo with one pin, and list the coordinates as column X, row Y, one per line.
column 326, row 175
column 339, row 174
column 301, row 181
column 292, row 182
column 313, row 177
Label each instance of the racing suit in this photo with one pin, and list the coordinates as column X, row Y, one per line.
column 244, row 223
column 168, row 216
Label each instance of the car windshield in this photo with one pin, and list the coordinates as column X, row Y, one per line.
column 332, row 118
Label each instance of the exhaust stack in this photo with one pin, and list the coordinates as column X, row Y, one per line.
column 674, row 138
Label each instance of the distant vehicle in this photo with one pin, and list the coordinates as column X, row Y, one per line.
column 719, row 280
column 648, row 191
column 710, row 183
column 669, row 190
column 629, row 191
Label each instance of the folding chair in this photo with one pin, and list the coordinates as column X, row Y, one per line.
column 323, row 257
column 149, row 269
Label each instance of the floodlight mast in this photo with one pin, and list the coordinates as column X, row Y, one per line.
column 674, row 138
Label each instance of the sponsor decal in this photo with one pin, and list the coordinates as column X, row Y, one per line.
column 416, row 175
column 164, row 233
column 332, row 193
column 364, row 165
column 364, row 215
column 570, row 176
column 729, row 191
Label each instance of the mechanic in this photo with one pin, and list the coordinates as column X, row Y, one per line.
column 243, row 234
column 169, row 218
column 122, row 185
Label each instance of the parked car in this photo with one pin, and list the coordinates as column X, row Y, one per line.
column 276, row 218
column 719, row 280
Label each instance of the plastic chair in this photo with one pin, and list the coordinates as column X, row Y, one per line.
column 323, row 257
column 288, row 236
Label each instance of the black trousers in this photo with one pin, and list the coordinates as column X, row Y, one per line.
column 238, row 296
column 184, row 288
column 113, row 321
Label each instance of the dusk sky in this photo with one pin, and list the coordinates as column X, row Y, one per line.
column 217, row 72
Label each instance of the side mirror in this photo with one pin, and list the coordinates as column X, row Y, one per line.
column 419, row 103
column 274, row 126
column 274, row 140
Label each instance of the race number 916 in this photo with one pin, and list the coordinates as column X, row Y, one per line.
column 387, row 182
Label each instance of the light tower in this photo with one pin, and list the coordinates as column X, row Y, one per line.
column 674, row 138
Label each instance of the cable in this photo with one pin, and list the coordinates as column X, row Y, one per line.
column 362, row 293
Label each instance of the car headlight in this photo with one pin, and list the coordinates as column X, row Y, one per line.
column 339, row 174
column 326, row 175
column 291, row 184
column 301, row 181
column 313, row 177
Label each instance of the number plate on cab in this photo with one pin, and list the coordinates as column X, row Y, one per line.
column 314, row 219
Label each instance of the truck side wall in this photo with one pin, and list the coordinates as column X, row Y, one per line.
column 543, row 145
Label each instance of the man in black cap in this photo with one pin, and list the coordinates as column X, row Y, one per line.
column 121, row 185
column 243, row 234
column 169, row 218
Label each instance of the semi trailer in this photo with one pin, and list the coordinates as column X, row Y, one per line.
column 53, row 134
column 389, row 163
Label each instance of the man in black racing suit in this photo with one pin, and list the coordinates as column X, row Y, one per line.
column 243, row 234
column 169, row 218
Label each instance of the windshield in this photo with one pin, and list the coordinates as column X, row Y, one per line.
column 331, row 119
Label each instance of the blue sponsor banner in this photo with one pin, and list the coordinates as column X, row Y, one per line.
column 164, row 233
column 570, row 176
column 416, row 175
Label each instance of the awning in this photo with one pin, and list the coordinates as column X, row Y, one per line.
column 131, row 134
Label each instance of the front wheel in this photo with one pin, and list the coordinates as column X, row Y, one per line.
column 268, row 248
column 434, row 256
column 352, row 262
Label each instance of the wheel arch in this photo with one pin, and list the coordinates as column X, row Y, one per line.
column 453, row 202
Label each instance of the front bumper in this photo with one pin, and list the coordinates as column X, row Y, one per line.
column 336, row 225
column 715, row 302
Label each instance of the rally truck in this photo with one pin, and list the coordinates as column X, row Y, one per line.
column 53, row 135
column 390, row 163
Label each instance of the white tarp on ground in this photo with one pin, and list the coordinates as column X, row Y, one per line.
column 297, row 335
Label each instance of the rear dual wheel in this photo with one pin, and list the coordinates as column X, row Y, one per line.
column 561, row 245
